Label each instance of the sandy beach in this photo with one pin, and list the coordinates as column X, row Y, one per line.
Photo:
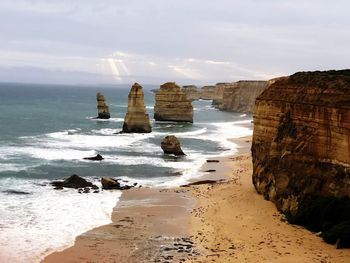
column 222, row 222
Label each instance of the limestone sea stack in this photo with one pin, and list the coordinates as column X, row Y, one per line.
column 301, row 146
column 171, row 145
column 136, row 119
column 102, row 108
column 172, row 104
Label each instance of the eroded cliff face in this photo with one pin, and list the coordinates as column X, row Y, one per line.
column 136, row 119
column 192, row 92
column 301, row 140
column 203, row 93
column 240, row 96
column 172, row 104
column 236, row 96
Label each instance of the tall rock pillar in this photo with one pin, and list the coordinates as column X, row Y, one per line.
column 102, row 108
column 136, row 119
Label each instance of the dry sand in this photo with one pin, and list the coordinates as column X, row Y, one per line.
column 224, row 222
column 232, row 223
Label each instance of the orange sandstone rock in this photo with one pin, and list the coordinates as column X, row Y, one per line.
column 136, row 119
column 301, row 140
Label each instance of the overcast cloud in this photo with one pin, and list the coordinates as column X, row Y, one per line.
column 152, row 41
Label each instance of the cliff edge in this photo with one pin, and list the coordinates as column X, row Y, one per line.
column 240, row 96
column 301, row 140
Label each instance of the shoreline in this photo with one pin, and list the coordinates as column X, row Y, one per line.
column 222, row 222
column 134, row 200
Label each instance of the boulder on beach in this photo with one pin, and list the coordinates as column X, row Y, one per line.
column 98, row 157
column 73, row 181
column 102, row 108
column 171, row 145
column 110, row 184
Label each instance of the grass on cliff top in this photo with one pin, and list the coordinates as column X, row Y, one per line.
column 322, row 78
column 328, row 215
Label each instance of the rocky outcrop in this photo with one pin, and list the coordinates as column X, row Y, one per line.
column 136, row 119
column 114, row 184
column 240, row 96
column 73, row 181
column 172, row 104
column 301, row 141
column 171, row 145
column 102, row 108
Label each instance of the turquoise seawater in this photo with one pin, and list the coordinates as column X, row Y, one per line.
column 47, row 130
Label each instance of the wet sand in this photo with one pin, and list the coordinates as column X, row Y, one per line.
column 147, row 226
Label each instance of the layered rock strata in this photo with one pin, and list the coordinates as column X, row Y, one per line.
column 240, row 96
column 136, row 119
column 237, row 96
column 172, row 104
column 301, row 141
column 203, row 93
column 171, row 145
column 102, row 108
column 192, row 92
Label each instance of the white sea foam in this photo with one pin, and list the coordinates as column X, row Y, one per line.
column 191, row 133
column 105, row 120
column 14, row 167
column 44, row 220
column 106, row 131
column 46, row 153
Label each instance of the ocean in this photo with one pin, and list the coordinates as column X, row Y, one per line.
column 47, row 130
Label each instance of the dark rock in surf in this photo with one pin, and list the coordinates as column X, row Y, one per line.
column 73, row 181
column 98, row 157
column 86, row 190
column 109, row 183
column 16, row 192
column 113, row 184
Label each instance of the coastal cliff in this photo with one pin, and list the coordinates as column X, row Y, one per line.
column 192, row 92
column 203, row 93
column 301, row 140
column 236, row 96
column 172, row 104
column 102, row 108
column 240, row 96
column 136, row 119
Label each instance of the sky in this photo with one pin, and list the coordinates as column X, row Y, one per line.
column 153, row 41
